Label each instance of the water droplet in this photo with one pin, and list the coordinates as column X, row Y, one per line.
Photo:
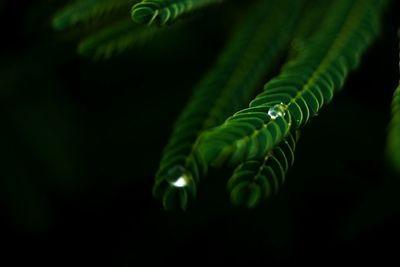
column 277, row 111
column 178, row 177
column 180, row 182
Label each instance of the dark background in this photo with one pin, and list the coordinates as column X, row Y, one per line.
column 81, row 140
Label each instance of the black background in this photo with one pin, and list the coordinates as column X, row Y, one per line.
column 81, row 140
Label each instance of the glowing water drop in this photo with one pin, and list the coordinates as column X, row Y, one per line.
column 178, row 176
column 180, row 182
column 277, row 111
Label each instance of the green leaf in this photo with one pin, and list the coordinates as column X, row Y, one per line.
column 82, row 11
column 257, row 45
column 175, row 188
column 306, row 83
column 115, row 39
column 161, row 12
column 256, row 180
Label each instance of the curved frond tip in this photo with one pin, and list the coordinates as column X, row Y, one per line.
column 255, row 180
column 175, row 188
column 161, row 12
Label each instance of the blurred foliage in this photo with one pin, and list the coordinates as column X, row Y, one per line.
column 81, row 140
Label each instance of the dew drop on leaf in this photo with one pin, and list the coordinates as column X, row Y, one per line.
column 180, row 182
column 178, row 177
column 277, row 111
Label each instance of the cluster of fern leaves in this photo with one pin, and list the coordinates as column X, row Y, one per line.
column 229, row 120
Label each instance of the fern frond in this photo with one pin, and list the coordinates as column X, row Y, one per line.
column 304, row 86
column 161, row 12
column 255, row 180
column 81, row 11
column 257, row 44
column 115, row 39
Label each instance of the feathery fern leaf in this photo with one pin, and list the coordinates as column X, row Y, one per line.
column 85, row 10
column 162, row 12
column 258, row 43
column 115, row 39
column 304, row 86
column 255, row 180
